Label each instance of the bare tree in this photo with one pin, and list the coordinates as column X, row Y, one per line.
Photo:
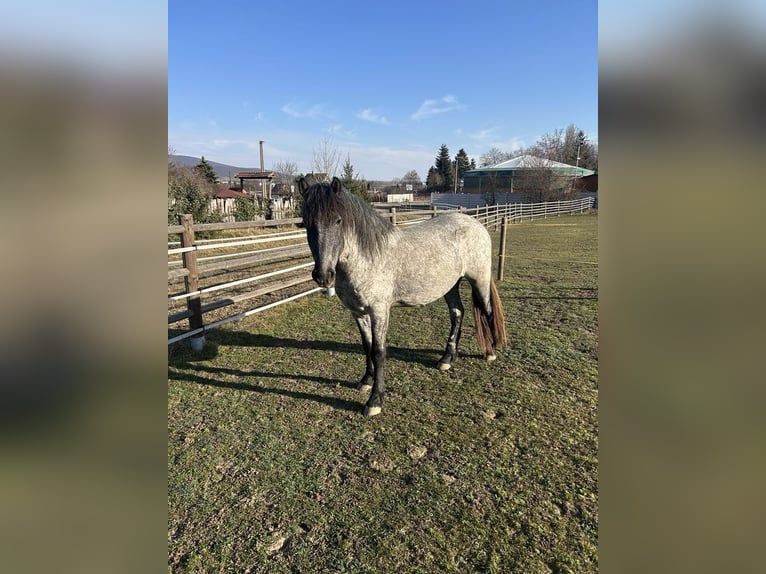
column 285, row 172
column 326, row 159
column 413, row 178
column 494, row 156
column 566, row 146
column 540, row 182
column 490, row 187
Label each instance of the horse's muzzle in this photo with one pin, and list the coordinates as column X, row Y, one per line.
column 324, row 279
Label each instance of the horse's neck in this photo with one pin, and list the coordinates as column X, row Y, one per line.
column 358, row 265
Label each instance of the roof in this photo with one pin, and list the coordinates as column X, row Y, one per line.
column 527, row 161
column 224, row 193
column 254, row 174
column 533, row 162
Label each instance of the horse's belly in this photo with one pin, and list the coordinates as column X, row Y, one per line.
column 417, row 289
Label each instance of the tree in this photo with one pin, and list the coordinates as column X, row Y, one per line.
column 565, row 146
column 412, row 178
column 206, row 171
column 246, row 209
column 444, row 168
column 326, row 159
column 463, row 164
column 353, row 183
column 540, row 182
column 434, row 180
column 493, row 157
column 188, row 192
column 285, row 172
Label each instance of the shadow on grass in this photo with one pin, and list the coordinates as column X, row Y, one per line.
column 180, row 357
column 334, row 402
column 191, row 369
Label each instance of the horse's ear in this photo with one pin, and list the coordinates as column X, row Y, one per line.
column 303, row 185
column 336, row 185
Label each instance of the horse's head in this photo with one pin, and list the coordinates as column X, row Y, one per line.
column 323, row 214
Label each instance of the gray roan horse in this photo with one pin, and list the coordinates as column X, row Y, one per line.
column 375, row 265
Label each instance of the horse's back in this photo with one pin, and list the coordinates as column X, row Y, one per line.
column 432, row 256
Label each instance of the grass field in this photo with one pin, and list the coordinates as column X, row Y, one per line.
column 489, row 467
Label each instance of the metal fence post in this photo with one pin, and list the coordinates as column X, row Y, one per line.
column 191, row 281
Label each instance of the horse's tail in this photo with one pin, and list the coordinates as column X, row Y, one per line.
column 490, row 326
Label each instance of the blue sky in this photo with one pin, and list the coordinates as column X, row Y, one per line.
column 386, row 83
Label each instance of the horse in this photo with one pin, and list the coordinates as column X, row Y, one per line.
column 374, row 265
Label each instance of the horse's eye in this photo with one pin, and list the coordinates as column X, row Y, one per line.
column 338, row 221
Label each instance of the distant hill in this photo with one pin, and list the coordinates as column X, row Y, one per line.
column 222, row 170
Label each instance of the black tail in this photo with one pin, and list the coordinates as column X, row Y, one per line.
column 490, row 326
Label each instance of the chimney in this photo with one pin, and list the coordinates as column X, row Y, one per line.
column 260, row 143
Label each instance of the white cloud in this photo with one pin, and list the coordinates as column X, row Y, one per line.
column 489, row 138
column 369, row 116
column 340, row 131
column 300, row 111
column 483, row 136
column 431, row 108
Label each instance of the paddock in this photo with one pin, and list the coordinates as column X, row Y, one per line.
column 272, row 467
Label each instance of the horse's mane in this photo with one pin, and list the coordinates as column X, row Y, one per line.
column 323, row 205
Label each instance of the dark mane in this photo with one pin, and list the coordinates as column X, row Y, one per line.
column 322, row 205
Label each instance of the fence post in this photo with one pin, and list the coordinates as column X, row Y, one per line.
column 501, row 255
column 433, row 209
column 393, row 215
column 191, row 281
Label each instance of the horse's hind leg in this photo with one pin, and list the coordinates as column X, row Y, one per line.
column 365, row 330
column 456, row 318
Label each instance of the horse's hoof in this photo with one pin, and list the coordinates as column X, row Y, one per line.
column 371, row 411
column 491, row 357
column 364, row 388
column 444, row 366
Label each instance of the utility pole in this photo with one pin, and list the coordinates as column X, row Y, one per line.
column 456, row 162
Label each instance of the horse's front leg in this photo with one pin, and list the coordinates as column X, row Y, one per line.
column 379, row 324
column 365, row 330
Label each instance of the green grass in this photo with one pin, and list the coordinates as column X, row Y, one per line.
column 490, row 467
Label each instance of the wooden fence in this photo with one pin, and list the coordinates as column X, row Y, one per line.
column 269, row 262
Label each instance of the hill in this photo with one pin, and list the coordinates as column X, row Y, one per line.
column 222, row 170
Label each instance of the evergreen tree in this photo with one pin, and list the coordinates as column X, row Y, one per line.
column 248, row 208
column 463, row 163
column 188, row 193
column 348, row 172
column 206, row 171
column 445, row 169
column 353, row 183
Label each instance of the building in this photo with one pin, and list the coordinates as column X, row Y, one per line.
column 519, row 174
